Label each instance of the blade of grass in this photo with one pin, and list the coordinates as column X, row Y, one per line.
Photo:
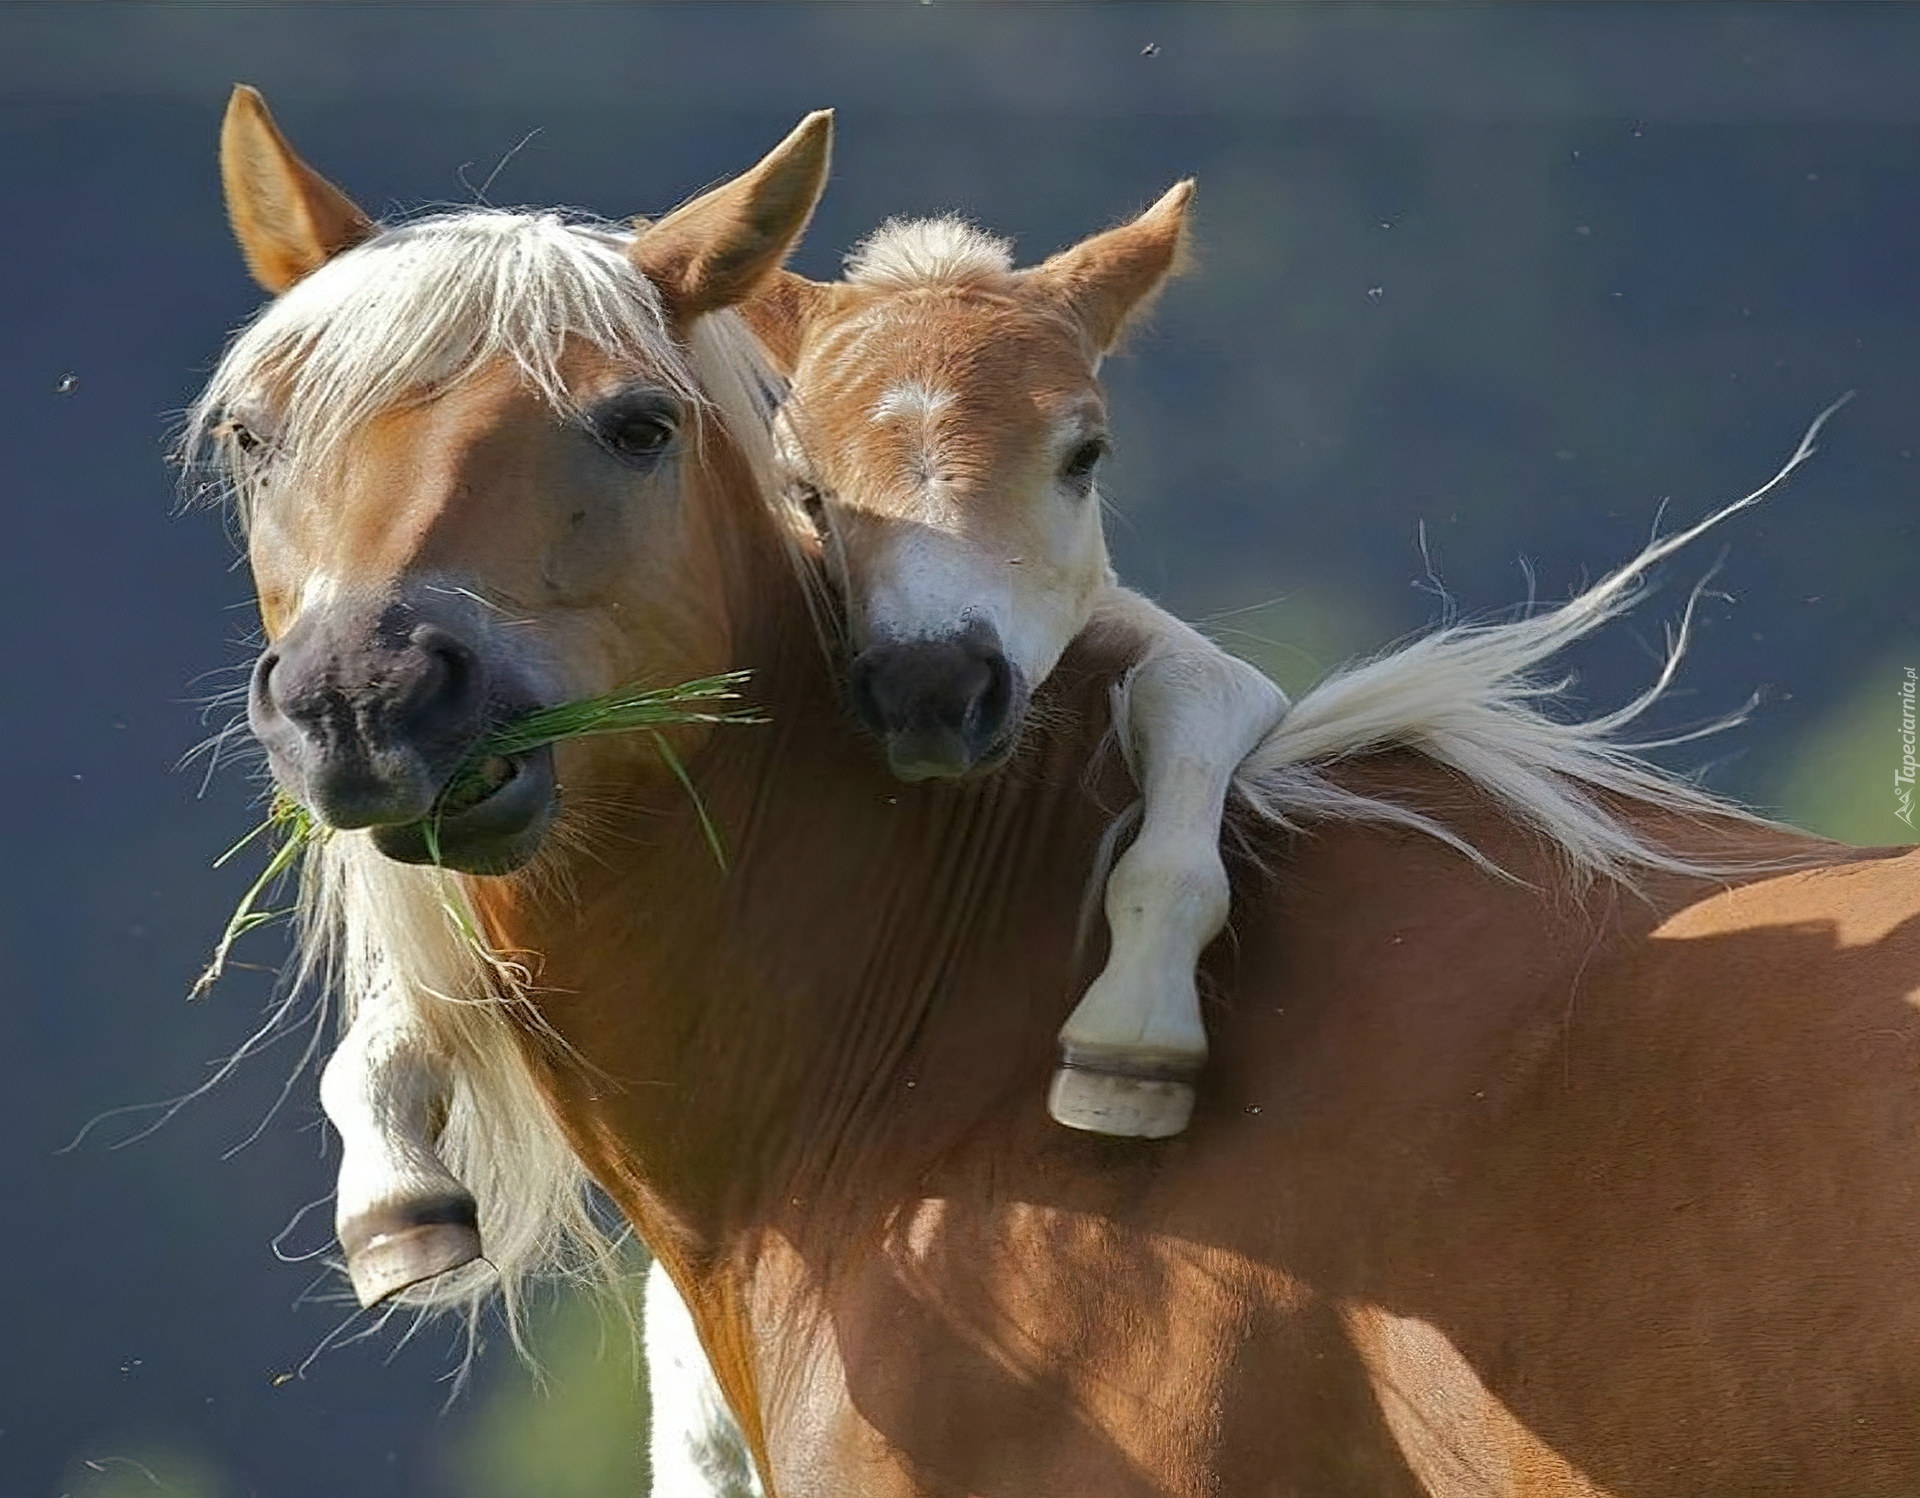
column 622, row 711
column 699, row 807
column 297, row 830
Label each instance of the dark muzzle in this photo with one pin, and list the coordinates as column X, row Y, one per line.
column 366, row 713
column 941, row 707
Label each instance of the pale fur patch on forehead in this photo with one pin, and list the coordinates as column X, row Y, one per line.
column 907, row 252
column 913, row 399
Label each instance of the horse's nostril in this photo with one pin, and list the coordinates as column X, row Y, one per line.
column 260, row 688
column 449, row 684
column 453, row 653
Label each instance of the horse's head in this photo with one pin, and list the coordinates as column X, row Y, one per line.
column 469, row 452
column 944, row 424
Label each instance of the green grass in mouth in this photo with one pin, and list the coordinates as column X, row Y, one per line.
column 291, row 829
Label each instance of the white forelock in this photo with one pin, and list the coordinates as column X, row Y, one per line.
column 419, row 306
column 907, row 252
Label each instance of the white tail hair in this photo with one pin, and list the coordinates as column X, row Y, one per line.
column 1467, row 696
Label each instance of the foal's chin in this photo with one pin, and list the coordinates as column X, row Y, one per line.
column 912, row 763
column 498, row 835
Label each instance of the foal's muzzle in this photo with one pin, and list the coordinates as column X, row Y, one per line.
column 366, row 713
column 942, row 708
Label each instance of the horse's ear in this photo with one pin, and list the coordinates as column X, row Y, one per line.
column 1110, row 277
column 779, row 313
column 289, row 219
column 716, row 251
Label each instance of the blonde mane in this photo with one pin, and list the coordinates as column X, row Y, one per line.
column 426, row 303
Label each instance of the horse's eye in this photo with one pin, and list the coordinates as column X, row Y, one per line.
column 639, row 436
column 1080, row 463
column 638, row 431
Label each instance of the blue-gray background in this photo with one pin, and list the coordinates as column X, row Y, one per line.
column 1518, row 273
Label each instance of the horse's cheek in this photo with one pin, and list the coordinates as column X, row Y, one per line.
column 274, row 557
column 590, row 547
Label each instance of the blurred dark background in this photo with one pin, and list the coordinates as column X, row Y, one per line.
column 1516, row 273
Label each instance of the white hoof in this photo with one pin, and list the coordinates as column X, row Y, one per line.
column 393, row 1250
column 1126, row 1107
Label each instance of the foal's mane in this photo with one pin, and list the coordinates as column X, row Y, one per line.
column 904, row 253
column 424, row 304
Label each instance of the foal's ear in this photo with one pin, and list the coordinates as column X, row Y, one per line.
column 1108, row 278
column 715, row 251
column 289, row 219
column 779, row 313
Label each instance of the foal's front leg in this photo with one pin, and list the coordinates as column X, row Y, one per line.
column 1131, row 1050
column 401, row 1216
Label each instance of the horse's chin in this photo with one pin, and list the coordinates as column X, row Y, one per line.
column 495, row 835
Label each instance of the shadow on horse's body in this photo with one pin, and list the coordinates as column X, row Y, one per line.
column 1600, row 1179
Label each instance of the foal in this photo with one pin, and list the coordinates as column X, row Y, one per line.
column 944, row 424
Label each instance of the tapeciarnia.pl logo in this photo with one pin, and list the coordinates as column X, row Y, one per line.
column 1903, row 777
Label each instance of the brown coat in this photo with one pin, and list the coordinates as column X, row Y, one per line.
column 1489, row 1192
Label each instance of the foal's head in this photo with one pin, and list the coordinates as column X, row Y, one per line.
column 945, row 425
column 478, row 457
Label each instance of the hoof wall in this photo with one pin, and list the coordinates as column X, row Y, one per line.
column 398, row 1261
column 1103, row 1102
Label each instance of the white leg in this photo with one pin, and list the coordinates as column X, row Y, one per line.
column 400, row 1215
column 1132, row 1048
column 697, row 1446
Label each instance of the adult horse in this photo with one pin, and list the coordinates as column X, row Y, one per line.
column 1529, row 1159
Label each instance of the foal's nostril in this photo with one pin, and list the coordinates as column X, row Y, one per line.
column 861, row 695
column 940, row 706
column 995, row 699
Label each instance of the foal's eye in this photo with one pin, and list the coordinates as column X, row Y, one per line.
column 1080, row 463
column 639, row 430
column 812, row 503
